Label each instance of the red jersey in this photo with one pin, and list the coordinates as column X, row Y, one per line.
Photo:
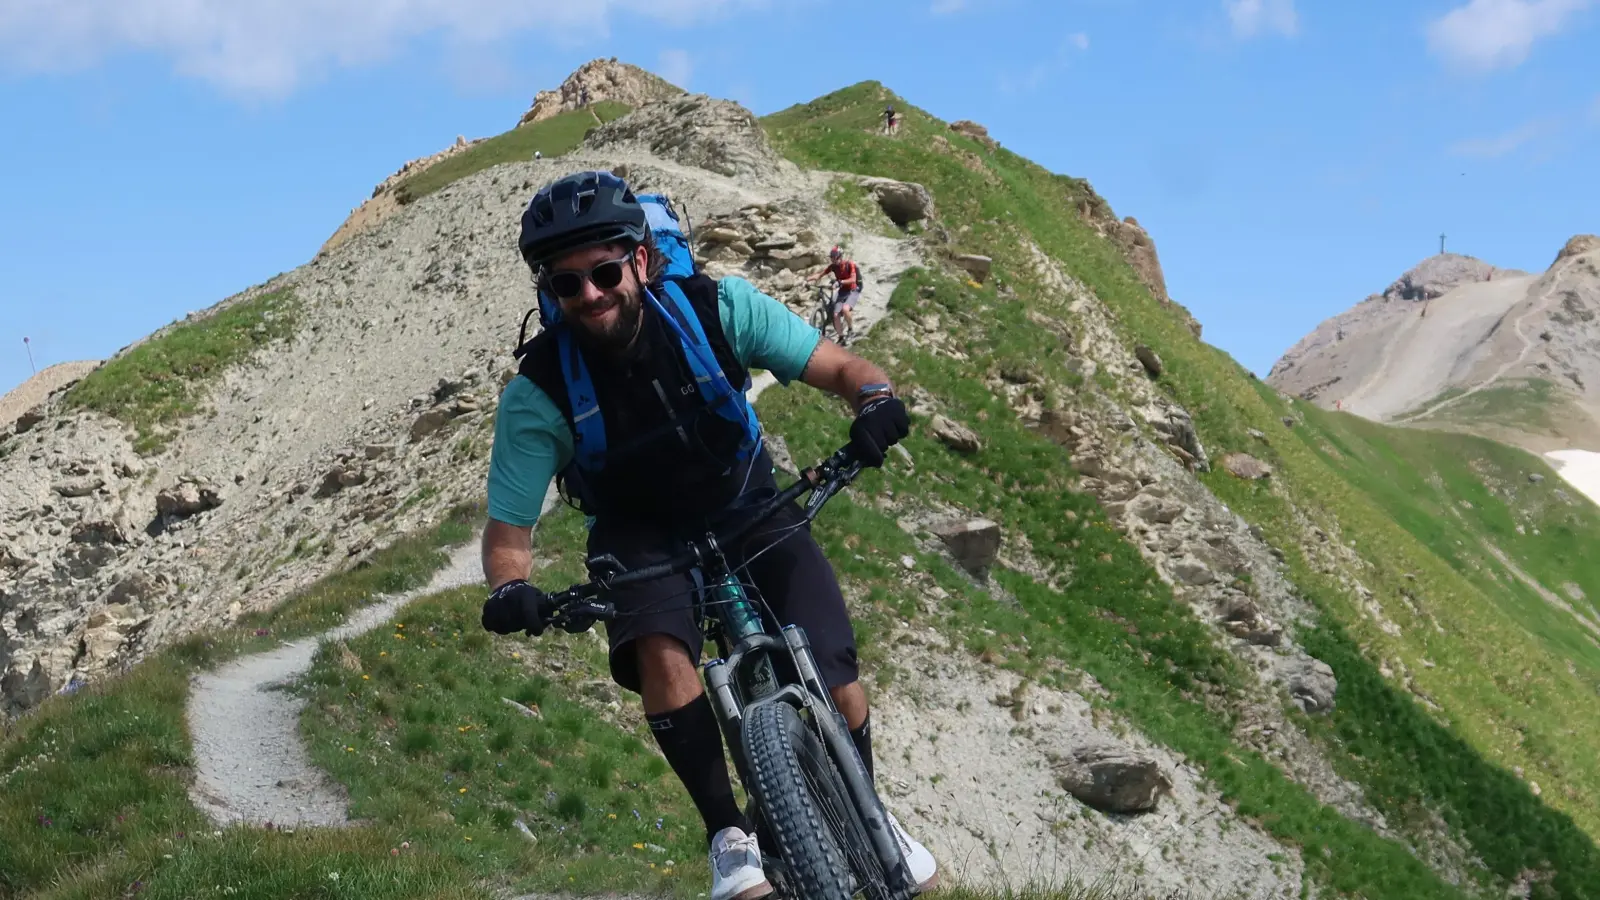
column 845, row 271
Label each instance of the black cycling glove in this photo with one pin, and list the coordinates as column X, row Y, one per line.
column 517, row 606
column 878, row 426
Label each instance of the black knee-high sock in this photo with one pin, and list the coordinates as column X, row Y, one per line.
column 692, row 743
column 862, row 737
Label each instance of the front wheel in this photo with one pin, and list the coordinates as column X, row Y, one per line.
column 819, row 321
column 806, row 809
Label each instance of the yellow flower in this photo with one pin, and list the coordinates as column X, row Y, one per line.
column 462, row 791
column 383, row 653
column 366, row 678
column 612, row 816
column 469, row 837
column 516, row 656
column 638, row 846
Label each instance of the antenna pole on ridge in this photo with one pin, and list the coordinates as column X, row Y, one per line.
column 30, row 355
column 1441, row 243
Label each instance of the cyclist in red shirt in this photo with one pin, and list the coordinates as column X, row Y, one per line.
column 848, row 275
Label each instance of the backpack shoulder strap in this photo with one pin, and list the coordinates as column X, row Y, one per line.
column 588, row 426
column 712, row 383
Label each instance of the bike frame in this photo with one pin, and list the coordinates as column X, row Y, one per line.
column 764, row 668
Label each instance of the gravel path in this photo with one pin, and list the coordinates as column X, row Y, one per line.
column 250, row 764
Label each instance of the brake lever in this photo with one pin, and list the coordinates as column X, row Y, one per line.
column 603, row 568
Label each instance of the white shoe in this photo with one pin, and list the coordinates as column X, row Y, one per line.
column 924, row 870
column 736, row 867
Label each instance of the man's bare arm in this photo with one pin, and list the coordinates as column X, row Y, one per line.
column 507, row 552
column 838, row 371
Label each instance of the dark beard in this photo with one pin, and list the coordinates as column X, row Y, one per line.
column 615, row 338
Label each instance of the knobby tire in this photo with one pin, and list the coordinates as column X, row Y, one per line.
column 806, row 808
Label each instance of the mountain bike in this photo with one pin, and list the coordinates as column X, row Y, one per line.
column 810, row 795
column 822, row 316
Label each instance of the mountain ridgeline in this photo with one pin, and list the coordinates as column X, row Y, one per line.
column 1135, row 623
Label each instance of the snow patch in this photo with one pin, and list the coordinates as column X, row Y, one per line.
column 1581, row 469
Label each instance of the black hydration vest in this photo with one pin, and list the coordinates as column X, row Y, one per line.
column 669, row 456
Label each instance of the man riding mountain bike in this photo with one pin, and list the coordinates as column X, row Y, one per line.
column 847, row 275
column 677, row 462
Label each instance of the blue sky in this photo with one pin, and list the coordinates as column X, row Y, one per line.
column 1289, row 156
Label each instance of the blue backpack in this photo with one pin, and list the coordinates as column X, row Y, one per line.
column 674, row 308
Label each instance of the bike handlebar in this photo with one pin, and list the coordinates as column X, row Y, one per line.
column 823, row 480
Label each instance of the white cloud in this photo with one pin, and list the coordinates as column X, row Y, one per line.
column 267, row 48
column 946, row 7
column 676, row 67
column 1506, row 143
column 1493, row 34
column 1079, row 40
column 1252, row 18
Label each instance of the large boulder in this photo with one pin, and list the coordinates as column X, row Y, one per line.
column 1243, row 465
column 188, row 497
column 973, row 542
column 903, row 202
column 1111, row 776
column 956, row 436
column 975, row 265
column 1310, row 683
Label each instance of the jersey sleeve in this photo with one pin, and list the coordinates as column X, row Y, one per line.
column 763, row 332
column 531, row 444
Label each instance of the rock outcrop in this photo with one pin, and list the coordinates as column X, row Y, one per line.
column 22, row 407
column 715, row 135
column 597, row 80
column 1439, row 275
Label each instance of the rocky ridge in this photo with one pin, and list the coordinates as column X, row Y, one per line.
column 105, row 555
column 598, row 80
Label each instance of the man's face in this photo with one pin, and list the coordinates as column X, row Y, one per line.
column 608, row 317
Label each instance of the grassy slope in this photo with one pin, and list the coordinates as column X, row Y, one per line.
column 554, row 136
column 1532, row 406
column 1506, row 696
column 93, row 786
column 164, row 379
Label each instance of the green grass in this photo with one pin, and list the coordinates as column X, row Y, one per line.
column 1506, row 698
column 555, row 136
column 93, row 786
column 428, row 746
column 1534, row 406
column 163, row 380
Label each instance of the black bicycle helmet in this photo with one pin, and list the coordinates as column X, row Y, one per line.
column 577, row 211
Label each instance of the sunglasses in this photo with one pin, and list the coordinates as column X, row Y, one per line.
column 568, row 283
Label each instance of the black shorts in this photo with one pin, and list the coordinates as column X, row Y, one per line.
column 795, row 579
